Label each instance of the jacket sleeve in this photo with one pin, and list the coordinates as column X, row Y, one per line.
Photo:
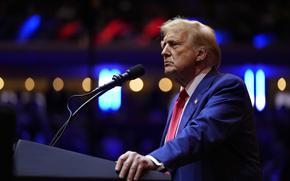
column 225, row 107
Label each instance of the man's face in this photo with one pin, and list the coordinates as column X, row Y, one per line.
column 178, row 53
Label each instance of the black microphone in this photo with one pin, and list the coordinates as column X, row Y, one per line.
column 130, row 74
column 118, row 80
column 134, row 72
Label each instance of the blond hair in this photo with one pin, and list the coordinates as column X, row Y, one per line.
column 201, row 35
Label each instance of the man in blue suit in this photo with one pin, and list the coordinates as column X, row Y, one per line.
column 210, row 134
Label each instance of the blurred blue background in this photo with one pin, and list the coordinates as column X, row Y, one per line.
column 52, row 50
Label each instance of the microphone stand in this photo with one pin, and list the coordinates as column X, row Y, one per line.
column 118, row 80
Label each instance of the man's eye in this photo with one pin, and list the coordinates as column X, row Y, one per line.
column 174, row 44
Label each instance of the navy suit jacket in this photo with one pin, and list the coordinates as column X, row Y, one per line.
column 216, row 139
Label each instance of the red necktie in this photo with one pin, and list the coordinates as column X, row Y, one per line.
column 175, row 118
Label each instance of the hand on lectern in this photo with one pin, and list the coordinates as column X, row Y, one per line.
column 133, row 165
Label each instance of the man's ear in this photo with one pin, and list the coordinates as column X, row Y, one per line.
column 201, row 54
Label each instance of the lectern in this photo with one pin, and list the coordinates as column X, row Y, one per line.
column 34, row 161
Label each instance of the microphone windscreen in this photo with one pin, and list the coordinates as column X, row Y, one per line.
column 136, row 71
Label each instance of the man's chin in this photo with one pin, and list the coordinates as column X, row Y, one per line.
column 169, row 71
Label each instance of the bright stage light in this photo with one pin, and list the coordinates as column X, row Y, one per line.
column 250, row 83
column 260, row 90
column 111, row 100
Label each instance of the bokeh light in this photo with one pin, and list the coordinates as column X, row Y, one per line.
column 136, row 85
column 87, row 84
column 58, row 84
column 29, row 84
column 281, row 84
column 165, row 84
column 1, row 83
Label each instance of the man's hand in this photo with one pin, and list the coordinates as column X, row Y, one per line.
column 133, row 164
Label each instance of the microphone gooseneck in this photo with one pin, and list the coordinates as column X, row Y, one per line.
column 118, row 80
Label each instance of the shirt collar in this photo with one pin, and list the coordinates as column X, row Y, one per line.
column 192, row 85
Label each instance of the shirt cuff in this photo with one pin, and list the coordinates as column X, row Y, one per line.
column 160, row 166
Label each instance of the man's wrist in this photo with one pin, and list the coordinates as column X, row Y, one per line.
column 159, row 164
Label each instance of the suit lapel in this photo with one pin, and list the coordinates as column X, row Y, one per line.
column 194, row 99
column 192, row 103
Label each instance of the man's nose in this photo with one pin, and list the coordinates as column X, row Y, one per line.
column 165, row 51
